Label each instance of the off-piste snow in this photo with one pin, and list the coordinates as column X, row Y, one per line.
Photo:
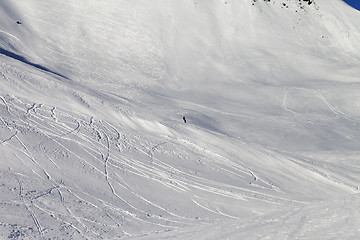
column 179, row 119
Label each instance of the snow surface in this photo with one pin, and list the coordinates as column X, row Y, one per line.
column 92, row 140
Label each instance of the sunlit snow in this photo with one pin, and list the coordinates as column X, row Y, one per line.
column 92, row 139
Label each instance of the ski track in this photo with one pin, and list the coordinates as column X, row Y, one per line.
column 284, row 102
column 306, row 164
column 28, row 154
column 98, row 166
column 53, row 115
column 207, row 188
column 9, row 139
column 103, row 144
column 6, row 105
column 206, row 208
column 106, row 159
column 333, row 109
column 32, row 214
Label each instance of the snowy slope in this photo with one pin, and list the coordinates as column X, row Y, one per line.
column 92, row 97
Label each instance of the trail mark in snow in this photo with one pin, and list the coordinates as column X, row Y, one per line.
column 333, row 109
column 53, row 113
column 34, row 107
column 6, row 105
column 106, row 160
column 153, row 149
column 32, row 214
column 284, row 102
column 8, row 139
column 253, row 175
column 35, row 219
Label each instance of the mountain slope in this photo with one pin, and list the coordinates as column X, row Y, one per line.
column 91, row 104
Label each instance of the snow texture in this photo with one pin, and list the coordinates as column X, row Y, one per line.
column 92, row 139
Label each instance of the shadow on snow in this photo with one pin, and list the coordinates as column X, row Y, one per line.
column 24, row 60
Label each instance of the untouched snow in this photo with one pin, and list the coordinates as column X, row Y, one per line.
column 92, row 140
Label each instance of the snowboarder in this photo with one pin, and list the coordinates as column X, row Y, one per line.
column 184, row 119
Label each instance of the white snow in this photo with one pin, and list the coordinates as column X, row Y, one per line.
column 92, row 141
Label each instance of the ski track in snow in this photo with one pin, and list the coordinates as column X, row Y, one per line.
column 105, row 158
column 88, row 157
column 154, row 170
column 6, row 105
column 284, row 102
column 330, row 106
column 101, row 143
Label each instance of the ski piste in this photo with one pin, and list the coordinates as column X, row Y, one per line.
column 93, row 141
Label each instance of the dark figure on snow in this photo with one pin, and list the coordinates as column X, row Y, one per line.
column 184, row 119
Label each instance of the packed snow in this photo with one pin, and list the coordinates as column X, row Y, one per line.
column 93, row 142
